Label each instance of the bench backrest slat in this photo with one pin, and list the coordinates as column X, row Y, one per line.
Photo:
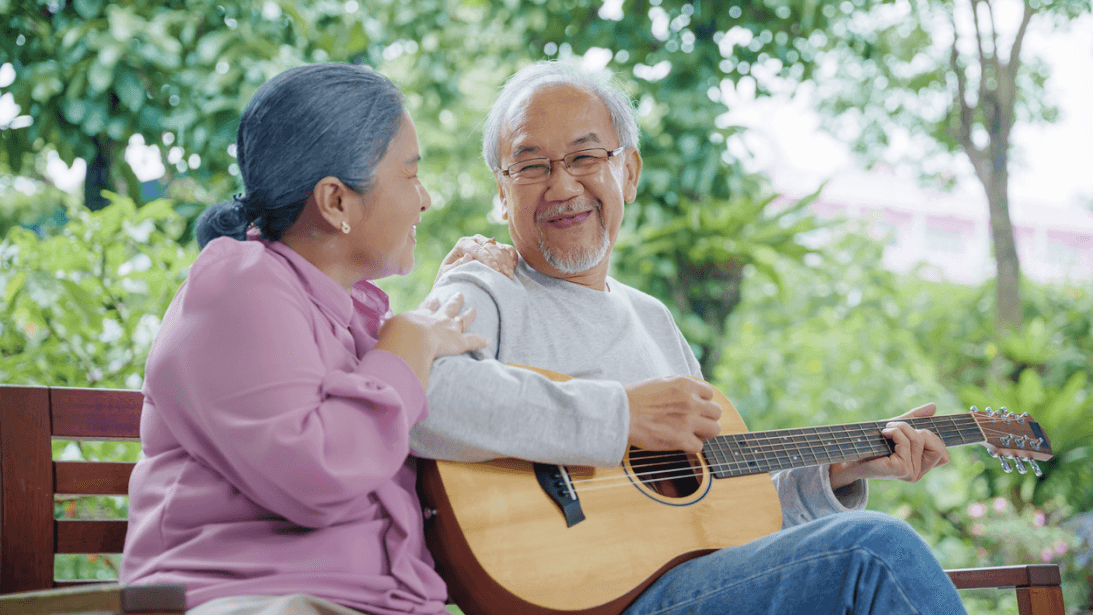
column 91, row 477
column 90, row 536
column 95, row 414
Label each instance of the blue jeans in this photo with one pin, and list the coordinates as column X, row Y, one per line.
column 854, row 562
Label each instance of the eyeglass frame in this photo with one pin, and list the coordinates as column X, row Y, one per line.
column 550, row 161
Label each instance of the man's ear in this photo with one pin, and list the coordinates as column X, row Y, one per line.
column 331, row 203
column 633, row 174
column 501, row 194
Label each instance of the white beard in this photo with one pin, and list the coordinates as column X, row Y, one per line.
column 579, row 260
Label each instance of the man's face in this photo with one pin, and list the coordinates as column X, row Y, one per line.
column 565, row 225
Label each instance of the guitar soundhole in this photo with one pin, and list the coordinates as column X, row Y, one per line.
column 672, row 474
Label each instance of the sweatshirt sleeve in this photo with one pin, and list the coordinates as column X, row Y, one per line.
column 240, row 381
column 806, row 494
column 483, row 409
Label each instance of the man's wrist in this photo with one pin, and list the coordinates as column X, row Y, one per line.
column 842, row 474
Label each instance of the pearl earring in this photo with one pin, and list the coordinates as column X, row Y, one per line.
column 345, row 227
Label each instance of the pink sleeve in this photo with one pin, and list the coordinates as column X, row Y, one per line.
column 240, row 381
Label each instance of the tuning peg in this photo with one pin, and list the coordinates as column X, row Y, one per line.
column 1035, row 467
column 1021, row 469
column 1005, row 464
column 1021, row 417
column 1006, row 415
column 974, row 409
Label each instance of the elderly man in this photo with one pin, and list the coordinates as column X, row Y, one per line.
column 563, row 148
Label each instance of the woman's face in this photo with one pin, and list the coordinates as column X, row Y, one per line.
column 392, row 209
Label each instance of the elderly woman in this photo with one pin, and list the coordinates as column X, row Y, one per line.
column 280, row 390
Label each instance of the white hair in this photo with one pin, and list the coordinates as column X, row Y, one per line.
column 529, row 79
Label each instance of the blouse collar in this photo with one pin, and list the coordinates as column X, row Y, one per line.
column 365, row 298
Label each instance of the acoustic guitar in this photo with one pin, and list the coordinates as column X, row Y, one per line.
column 513, row 537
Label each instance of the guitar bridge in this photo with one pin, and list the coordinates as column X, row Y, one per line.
column 557, row 484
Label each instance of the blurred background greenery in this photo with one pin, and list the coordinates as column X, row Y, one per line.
column 795, row 331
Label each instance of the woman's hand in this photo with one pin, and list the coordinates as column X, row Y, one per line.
column 431, row 331
column 497, row 256
column 448, row 325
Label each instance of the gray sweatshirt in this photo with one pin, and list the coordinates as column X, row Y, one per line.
column 480, row 408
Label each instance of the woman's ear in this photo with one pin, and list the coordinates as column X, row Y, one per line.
column 331, row 202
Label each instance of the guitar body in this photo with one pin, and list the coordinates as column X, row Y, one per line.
column 504, row 546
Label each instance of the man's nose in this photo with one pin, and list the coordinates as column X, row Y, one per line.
column 561, row 184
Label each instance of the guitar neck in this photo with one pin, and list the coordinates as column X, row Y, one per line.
column 746, row 453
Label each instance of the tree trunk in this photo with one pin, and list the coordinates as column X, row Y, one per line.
column 1008, row 315
column 98, row 176
column 714, row 308
column 995, row 104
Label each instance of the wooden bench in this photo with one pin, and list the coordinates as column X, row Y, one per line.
column 31, row 417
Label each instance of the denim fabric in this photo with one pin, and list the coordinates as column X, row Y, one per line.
column 853, row 562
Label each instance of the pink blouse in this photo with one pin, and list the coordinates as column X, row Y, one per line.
column 275, row 442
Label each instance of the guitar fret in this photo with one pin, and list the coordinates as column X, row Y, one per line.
column 751, row 453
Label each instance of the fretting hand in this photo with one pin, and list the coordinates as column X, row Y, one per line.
column 917, row 451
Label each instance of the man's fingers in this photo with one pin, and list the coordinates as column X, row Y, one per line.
column 921, row 411
column 905, row 455
column 705, row 391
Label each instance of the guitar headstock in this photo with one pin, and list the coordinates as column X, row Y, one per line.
column 1013, row 437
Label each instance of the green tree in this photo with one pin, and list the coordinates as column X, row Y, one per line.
column 81, row 307
column 93, row 74
column 951, row 75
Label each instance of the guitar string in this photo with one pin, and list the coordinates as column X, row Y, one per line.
column 874, row 444
column 643, row 476
column 859, row 434
column 851, row 435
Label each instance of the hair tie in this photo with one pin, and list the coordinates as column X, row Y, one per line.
column 239, row 204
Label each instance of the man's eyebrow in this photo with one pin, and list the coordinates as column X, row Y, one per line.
column 524, row 149
column 582, row 140
column 588, row 138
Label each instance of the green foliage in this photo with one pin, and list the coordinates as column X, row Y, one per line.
column 822, row 334
column 844, row 341
column 828, row 348
column 81, row 308
column 1066, row 415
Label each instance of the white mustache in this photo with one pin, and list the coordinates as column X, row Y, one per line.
column 567, row 208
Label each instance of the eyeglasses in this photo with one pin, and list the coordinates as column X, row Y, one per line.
column 581, row 162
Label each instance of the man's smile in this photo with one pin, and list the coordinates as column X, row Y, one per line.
column 568, row 220
column 566, row 215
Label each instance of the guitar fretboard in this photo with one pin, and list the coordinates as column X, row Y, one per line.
column 741, row 454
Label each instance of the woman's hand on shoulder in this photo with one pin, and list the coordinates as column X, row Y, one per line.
column 431, row 331
column 497, row 256
column 448, row 324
